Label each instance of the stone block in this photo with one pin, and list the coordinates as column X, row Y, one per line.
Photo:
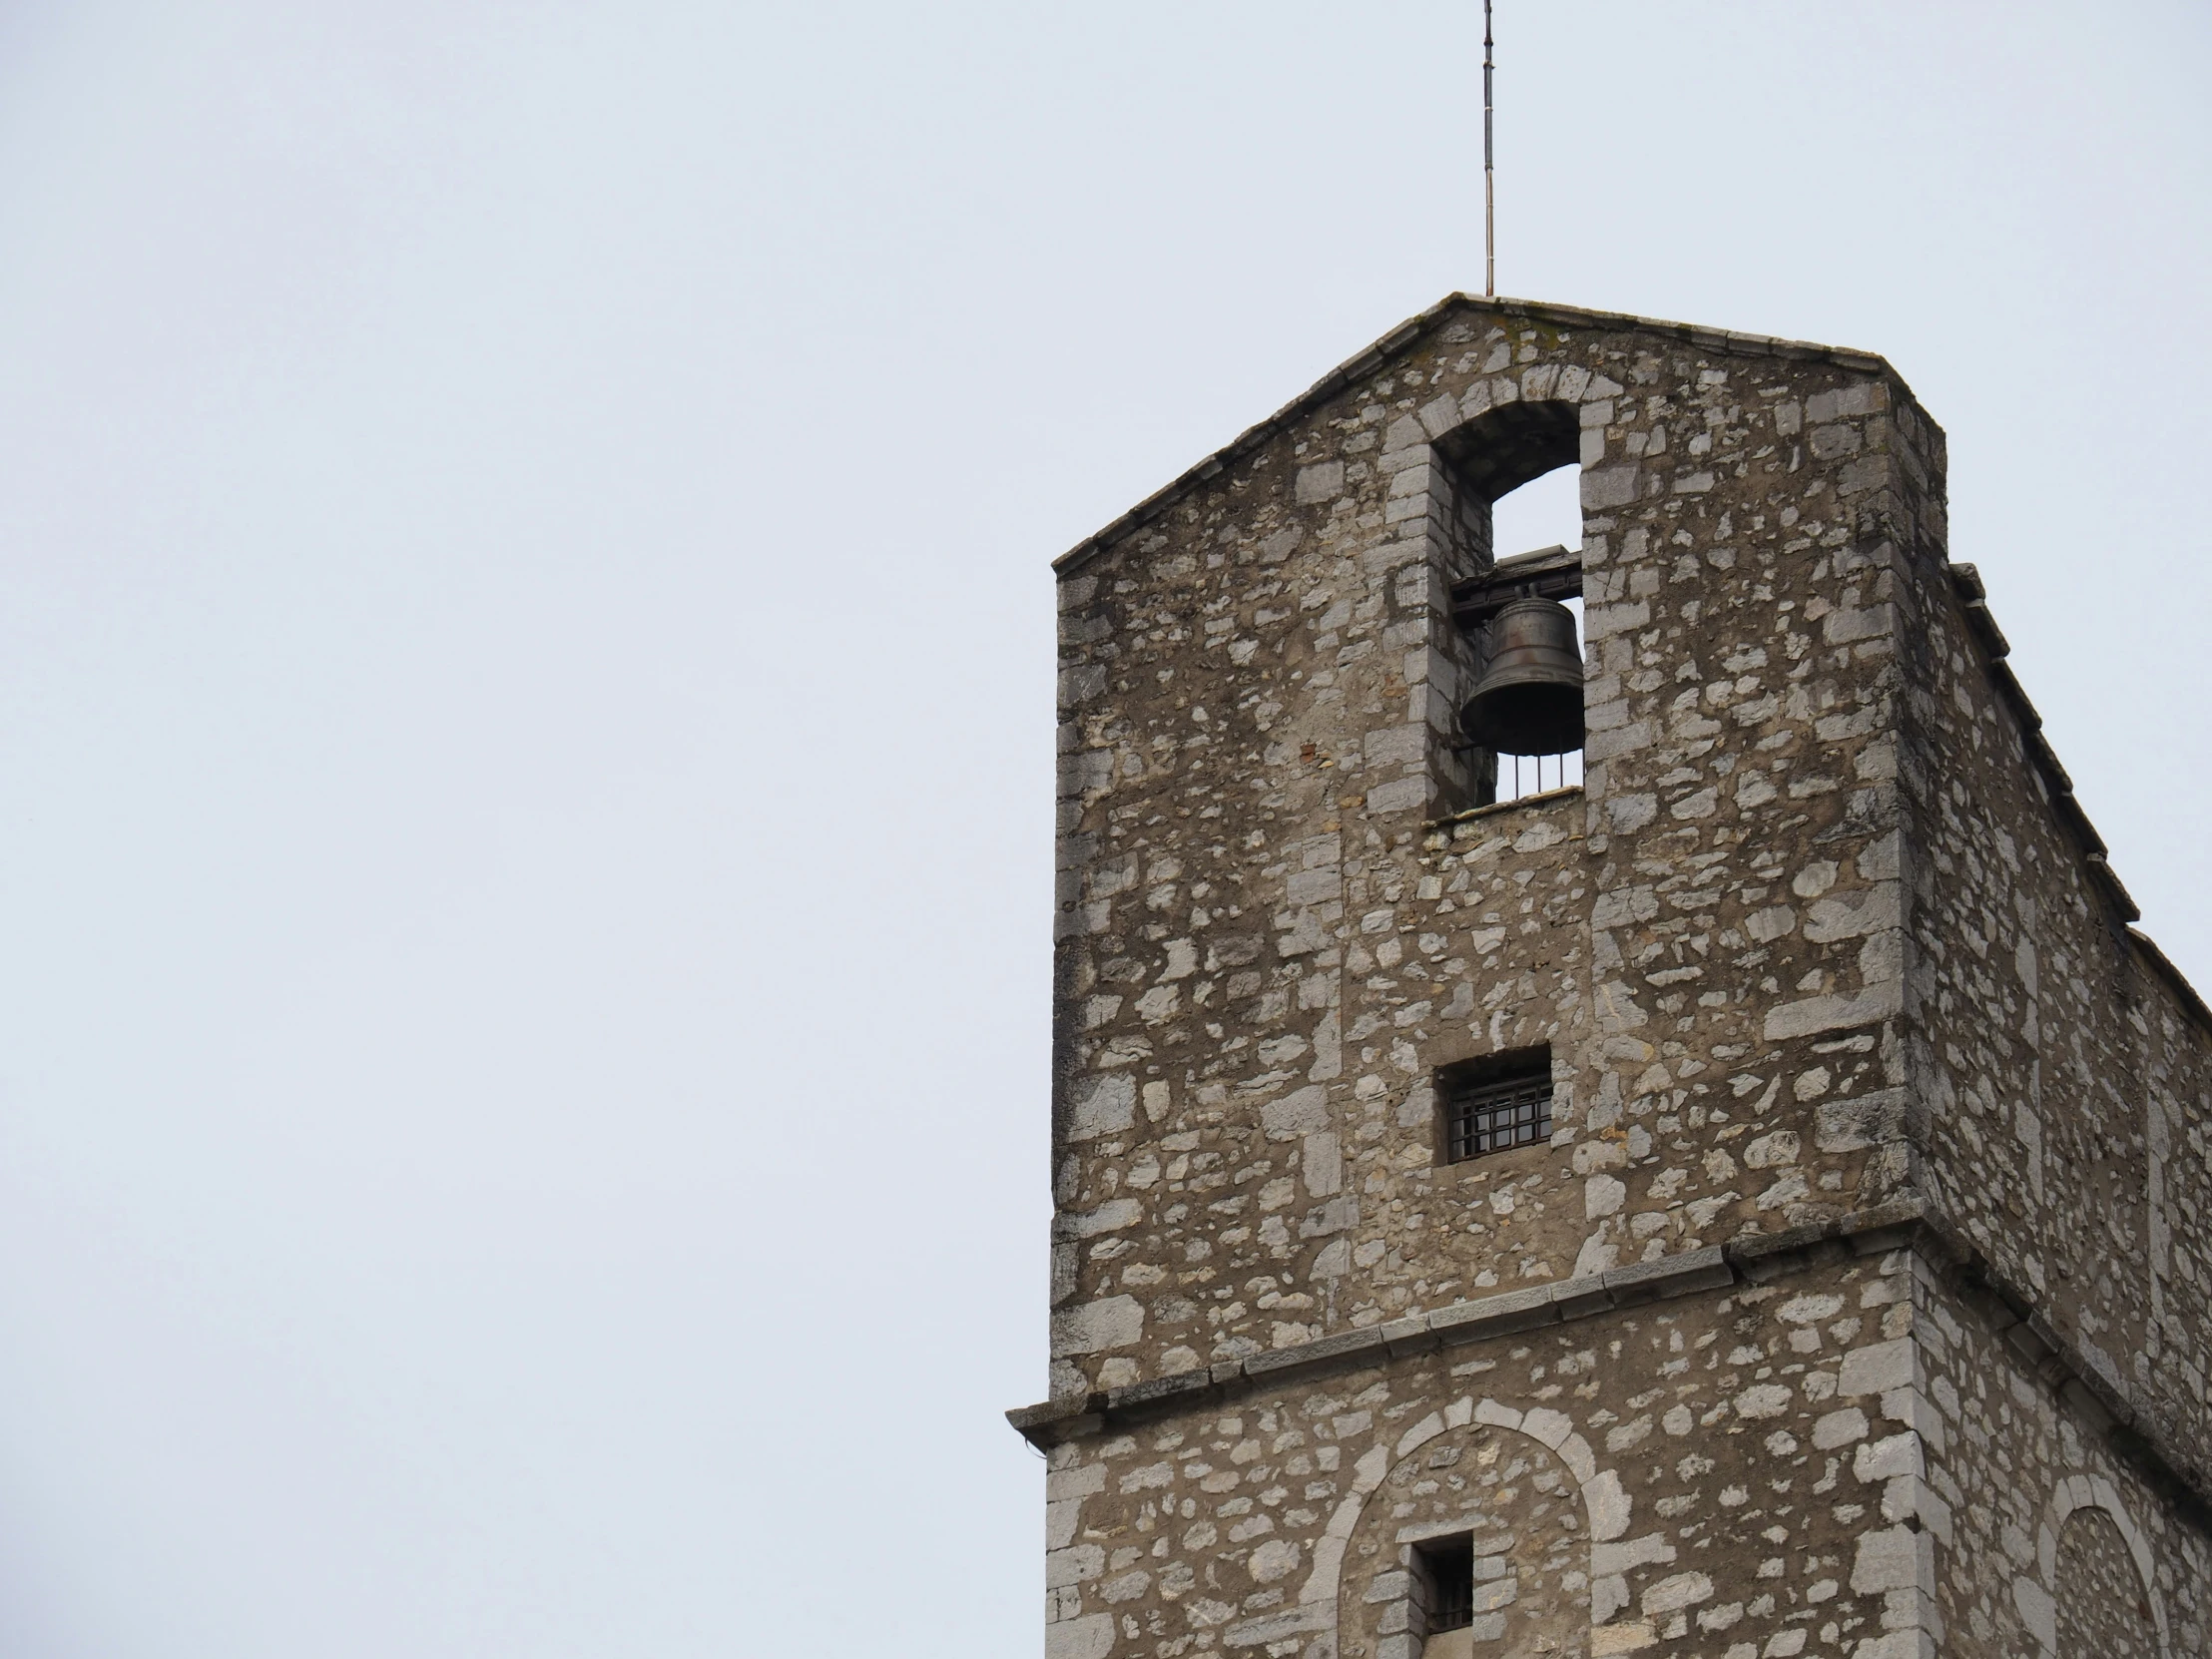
column 1610, row 487
column 1083, row 1480
column 1885, row 1459
column 1608, row 1504
column 1877, row 1369
column 1839, row 1428
column 1103, row 1106
column 1494, row 1316
column 1543, row 1423
column 1160, row 1390
column 1404, row 794
column 1112, row 1322
column 2037, row 1611
column 1673, row 1593
column 1651, row 1550
column 1088, row 1637
column 1305, row 1357
column 1577, row 1298
column 1408, row 1335
column 1073, row 1564
column 1610, row 1639
column 1273, row 1627
column 1814, row 1015
column 1894, row 1558
column 1681, row 1274
column 1497, row 1414
column 1324, row 481
column 1302, row 1112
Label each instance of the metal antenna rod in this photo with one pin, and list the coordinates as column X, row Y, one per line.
column 1489, row 167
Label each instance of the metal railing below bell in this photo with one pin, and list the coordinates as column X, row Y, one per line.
column 1522, row 776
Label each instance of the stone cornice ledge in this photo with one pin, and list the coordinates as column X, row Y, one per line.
column 1551, row 1302
column 2100, row 1402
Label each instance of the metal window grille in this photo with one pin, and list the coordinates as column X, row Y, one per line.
column 1497, row 1116
column 1450, row 1571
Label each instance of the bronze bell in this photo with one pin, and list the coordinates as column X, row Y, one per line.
column 1529, row 700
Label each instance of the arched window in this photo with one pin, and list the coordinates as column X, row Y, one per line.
column 2103, row 1607
column 1515, row 483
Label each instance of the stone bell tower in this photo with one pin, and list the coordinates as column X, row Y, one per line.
column 1753, row 1202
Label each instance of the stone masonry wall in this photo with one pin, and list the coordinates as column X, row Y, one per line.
column 2067, row 1086
column 2050, row 1546
column 2101, row 1608
column 1826, row 959
column 1265, row 951
column 1735, row 1476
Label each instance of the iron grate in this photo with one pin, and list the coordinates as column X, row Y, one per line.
column 1446, row 1571
column 1497, row 1117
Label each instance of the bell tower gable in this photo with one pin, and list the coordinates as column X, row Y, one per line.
column 1278, row 919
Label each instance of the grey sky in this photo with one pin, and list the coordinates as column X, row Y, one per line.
column 525, row 699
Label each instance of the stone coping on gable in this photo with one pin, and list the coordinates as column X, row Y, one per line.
column 1405, row 336
column 2175, row 979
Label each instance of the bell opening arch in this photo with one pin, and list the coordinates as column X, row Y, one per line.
column 1515, row 677
column 1495, row 454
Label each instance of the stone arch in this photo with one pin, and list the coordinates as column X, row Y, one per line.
column 2078, row 1497
column 1483, row 450
column 1502, row 434
column 1603, row 1502
column 1497, row 450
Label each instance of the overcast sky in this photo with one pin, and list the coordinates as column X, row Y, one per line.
column 525, row 699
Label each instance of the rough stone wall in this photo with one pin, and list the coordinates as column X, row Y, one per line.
column 2103, row 1610
column 1817, row 952
column 2065, row 1084
column 1733, row 1474
column 2049, row 1543
column 1530, row 1543
column 1264, row 951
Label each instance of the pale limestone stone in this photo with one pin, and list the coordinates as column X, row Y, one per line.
column 1115, row 1322
column 1839, row 1428
column 1324, row 481
column 1673, row 1593
column 1891, row 1559
column 1088, row 1637
column 1877, row 1369
column 1608, row 1504
column 1621, row 1638
column 1885, row 1459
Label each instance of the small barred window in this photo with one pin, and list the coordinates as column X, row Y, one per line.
column 1445, row 1582
column 1495, row 1106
